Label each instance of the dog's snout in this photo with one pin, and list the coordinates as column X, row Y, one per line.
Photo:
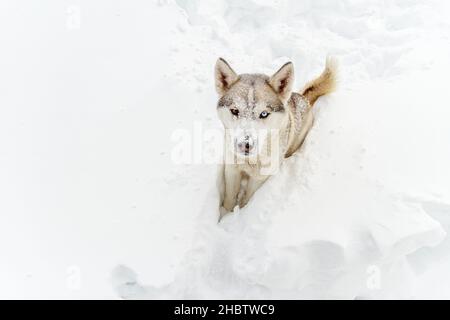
column 246, row 144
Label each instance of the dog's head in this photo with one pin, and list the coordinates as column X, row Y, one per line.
column 253, row 107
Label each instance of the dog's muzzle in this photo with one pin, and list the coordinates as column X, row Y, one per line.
column 245, row 145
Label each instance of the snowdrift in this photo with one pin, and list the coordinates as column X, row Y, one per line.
column 321, row 228
column 98, row 95
column 345, row 214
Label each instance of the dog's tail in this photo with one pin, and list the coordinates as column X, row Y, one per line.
column 324, row 84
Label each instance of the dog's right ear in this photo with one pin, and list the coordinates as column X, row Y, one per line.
column 225, row 76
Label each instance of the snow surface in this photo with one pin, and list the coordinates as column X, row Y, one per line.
column 95, row 94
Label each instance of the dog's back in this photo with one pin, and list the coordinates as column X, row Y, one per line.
column 300, row 105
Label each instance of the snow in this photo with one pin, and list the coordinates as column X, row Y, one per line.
column 97, row 97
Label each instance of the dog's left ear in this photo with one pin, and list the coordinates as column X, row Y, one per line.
column 283, row 80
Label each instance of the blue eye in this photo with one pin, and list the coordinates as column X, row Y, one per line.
column 264, row 114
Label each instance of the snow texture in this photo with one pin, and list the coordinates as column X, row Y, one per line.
column 96, row 94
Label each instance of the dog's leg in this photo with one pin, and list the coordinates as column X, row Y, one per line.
column 253, row 184
column 232, row 186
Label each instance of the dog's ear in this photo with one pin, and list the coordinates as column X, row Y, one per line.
column 225, row 76
column 282, row 81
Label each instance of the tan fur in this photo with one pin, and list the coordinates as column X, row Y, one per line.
column 290, row 115
column 324, row 84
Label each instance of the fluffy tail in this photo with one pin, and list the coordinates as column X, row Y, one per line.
column 324, row 84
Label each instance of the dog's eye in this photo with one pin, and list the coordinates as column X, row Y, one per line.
column 234, row 112
column 264, row 114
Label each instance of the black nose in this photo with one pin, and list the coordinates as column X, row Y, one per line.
column 246, row 144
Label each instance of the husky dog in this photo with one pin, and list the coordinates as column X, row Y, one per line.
column 264, row 122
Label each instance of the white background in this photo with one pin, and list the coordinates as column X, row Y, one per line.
column 91, row 93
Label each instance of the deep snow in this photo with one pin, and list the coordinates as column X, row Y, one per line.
column 94, row 95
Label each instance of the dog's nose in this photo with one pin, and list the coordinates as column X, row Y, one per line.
column 246, row 145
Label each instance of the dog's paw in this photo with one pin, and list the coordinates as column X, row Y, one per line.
column 124, row 281
column 222, row 211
